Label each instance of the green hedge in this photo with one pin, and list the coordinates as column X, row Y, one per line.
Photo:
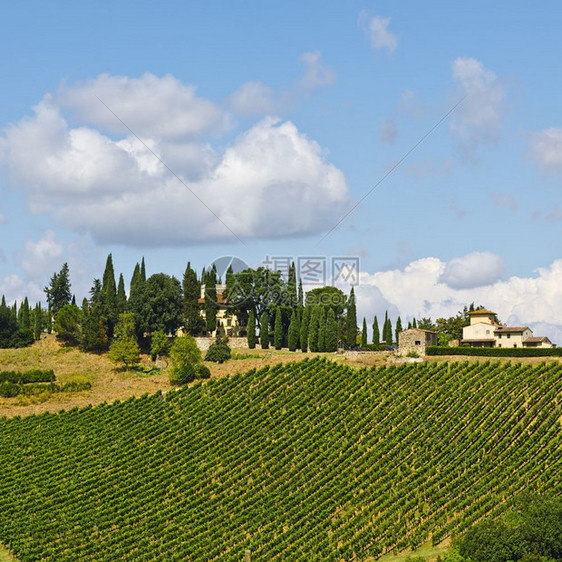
column 495, row 351
column 26, row 377
column 10, row 389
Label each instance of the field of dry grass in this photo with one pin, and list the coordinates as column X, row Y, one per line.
column 110, row 383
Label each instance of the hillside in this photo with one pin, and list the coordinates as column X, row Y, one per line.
column 310, row 460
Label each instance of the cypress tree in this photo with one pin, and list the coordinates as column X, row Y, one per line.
column 49, row 322
column 109, row 312
column 211, row 301
column 37, row 321
column 409, row 324
column 252, row 330
column 414, row 324
column 191, row 291
column 331, row 340
column 301, row 294
column 351, row 320
column 121, row 295
column 364, row 333
column 313, row 327
column 292, row 286
column 24, row 320
column 264, row 330
column 322, row 328
column 293, row 332
column 304, row 329
column 58, row 292
column 143, row 270
column 278, row 331
column 398, row 328
column 376, row 332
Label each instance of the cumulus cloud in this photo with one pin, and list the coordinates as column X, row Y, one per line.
column 418, row 290
column 546, row 148
column 478, row 119
column 376, row 30
column 473, row 270
column 15, row 288
column 272, row 181
column 157, row 107
column 254, row 98
column 43, row 256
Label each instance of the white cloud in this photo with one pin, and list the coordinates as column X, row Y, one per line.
column 419, row 291
column 478, row 119
column 157, row 107
column 546, row 148
column 272, row 181
column 505, row 201
column 473, row 270
column 376, row 30
column 14, row 288
column 42, row 257
column 317, row 74
column 254, row 98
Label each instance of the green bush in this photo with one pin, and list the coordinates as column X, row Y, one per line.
column 495, row 351
column 25, row 377
column 182, row 374
column 202, row 371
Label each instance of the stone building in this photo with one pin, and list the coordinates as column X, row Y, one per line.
column 415, row 339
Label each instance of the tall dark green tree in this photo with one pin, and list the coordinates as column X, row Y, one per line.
column 252, row 330
column 110, row 310
column 24, row 319
column 293, row 336
column 303, row 333
column 376, row 332
column 94, row 335
column 121, row 295
column 191, row 292
column 300, row 294
column 143, row 270
column 211, row 306
column 37, row 321
column 414, row 324
column 264, row 330
column 331, row 342
column 322, row 328
column 58, row 291
column 351, row 320
column 313, row 328
column 364, row 333
column 398, row 328
column 278, row 330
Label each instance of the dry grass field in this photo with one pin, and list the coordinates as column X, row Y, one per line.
column 110, row 383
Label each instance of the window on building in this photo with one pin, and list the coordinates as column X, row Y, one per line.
column 418, row 342
column 508, row 336
column 499, row 344
column 487, row 331
column 499, row 336
column 514, row 345
column 229, row 322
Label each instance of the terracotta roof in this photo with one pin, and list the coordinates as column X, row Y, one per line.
column 484, row 311
column 536, row 339
column 220, row 299
column 510, row 329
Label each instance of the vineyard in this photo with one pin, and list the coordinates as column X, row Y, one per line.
column 302, row 461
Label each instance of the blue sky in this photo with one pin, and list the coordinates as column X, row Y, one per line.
column 281, row 116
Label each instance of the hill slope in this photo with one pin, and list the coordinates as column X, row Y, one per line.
column 309, row 460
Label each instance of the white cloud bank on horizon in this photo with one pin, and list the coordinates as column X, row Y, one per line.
column 418, row 291
column 271, row 181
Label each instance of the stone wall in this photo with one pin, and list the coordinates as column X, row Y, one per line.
column 415, row 340
column 234, row 343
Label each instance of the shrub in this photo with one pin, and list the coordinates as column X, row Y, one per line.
column 219, row 352
column 202, row 371
column 495, row 351
column 182, row 374
column 413, row 354
column 185, row 355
